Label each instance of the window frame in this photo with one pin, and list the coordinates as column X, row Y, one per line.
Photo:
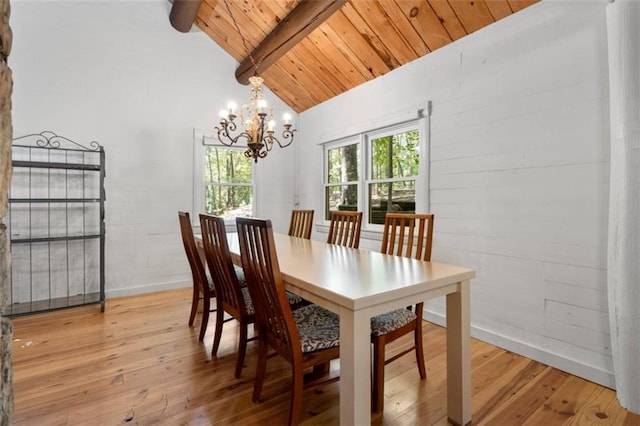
column 364, row 141
column 325, row 172
column 201, row 143
column 369, row 137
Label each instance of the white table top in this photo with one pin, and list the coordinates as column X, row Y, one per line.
column 356, row 278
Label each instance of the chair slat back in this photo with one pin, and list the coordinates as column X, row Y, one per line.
column 345, row 228
column 216, row 249
column 266, row 287
column 408, row 235
column 301, row 223
column 193, row 256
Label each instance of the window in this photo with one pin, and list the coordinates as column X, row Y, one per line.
column 228, row 187
column 343, row 178
column 384, row 181
column 393, row 169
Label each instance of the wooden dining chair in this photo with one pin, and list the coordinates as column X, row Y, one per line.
column 344, row 229
column 301, row 223
column 305, row 337
column 202, row 287
column 408, row 235
column 231, row 297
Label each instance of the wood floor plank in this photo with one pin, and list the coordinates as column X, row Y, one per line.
column 595, row 410
column 139, row 363
column 567, row 403
column 528, row 399
column 511, row 377
column 614, row 414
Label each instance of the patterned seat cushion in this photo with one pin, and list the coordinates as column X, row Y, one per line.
column 247, row 301
column 209, row 281
column 240, row 274
column 294, row 299
column 318, row 328
column 382, row 324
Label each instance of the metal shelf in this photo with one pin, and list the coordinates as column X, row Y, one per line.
column 64, row 166
column 53, row 239
column 54, row 200
column 53, row 304
column 53, row 196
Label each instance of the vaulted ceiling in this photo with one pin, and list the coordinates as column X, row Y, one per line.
column 362, row 40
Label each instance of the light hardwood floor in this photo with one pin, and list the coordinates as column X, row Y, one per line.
column 140, row 363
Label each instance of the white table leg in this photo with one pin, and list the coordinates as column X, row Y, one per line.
column 355, row 368
column 459, row 355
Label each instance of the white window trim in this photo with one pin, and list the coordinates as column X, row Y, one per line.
column 376, row 134
column 352, row 140
column 422, row 123
column 200, row 141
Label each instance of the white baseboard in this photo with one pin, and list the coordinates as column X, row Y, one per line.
column 588, row 372
column 120, row 292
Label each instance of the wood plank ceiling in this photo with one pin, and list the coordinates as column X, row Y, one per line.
column 363, row 40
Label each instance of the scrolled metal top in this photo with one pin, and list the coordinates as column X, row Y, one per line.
column 48, row 139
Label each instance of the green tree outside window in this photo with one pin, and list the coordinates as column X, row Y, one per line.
column 228, row 183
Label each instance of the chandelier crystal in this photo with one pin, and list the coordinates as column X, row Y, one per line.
column 256, row 118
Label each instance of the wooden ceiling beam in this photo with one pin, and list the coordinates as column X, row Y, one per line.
column 299, row 23
column 183, row 14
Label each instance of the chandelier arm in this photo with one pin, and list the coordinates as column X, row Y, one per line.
column 228, row 139
column 268, row 141
column 286, row 134
column 226, row 126
column 223, row 133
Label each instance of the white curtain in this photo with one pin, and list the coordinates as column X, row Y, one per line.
column 623, row 28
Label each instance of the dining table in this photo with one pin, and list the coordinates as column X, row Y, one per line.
column 358, row 284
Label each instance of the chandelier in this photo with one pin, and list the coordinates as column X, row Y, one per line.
column 255, row 117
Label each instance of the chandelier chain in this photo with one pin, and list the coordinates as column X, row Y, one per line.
column 244, row 40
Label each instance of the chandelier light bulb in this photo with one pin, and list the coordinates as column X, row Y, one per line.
column 287, row 118
column 271, row 125
column 232, row 106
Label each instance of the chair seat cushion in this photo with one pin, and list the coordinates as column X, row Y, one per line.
column 382, row 324
column 251, row 310
column 210, row 282
column 318, row 328
column 240, row 274
column 247, row 301
column 294, row 299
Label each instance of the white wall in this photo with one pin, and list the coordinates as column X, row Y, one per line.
column 116, row 72
column 518, row 174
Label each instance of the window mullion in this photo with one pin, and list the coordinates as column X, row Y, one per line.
column 392, row 180
column 228, row 184
column 364, row 170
